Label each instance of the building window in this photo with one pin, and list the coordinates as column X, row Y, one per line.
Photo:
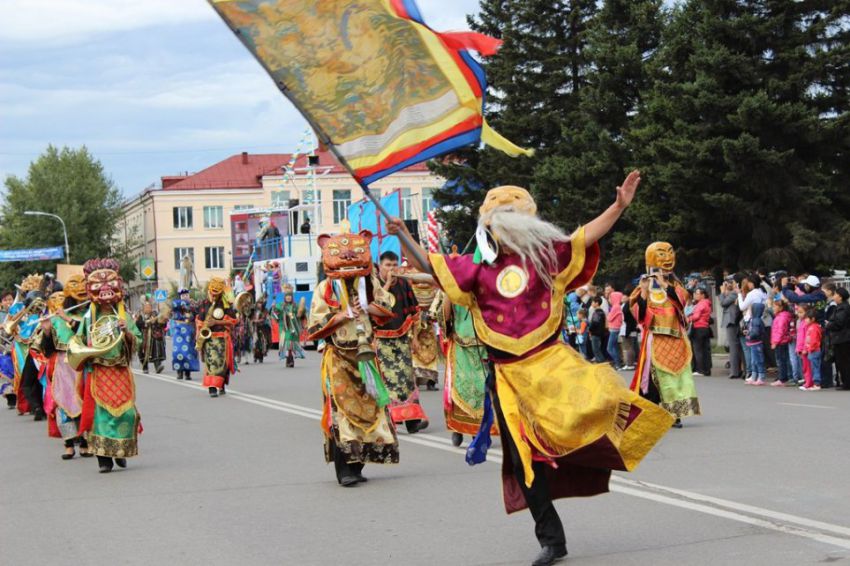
column 280, row 198
column 428, row 203
column 180, row 253
column 214, row 257
column 182, row 217
column 243, row 207
column 314, row 197
column 406, row 204
column 342, row 200
column 213, row 217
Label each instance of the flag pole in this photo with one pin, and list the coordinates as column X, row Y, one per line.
column 325, row 139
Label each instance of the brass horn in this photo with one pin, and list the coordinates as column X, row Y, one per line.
column 105, row 334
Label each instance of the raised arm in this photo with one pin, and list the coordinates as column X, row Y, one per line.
column 396, row 226
column 599, row 226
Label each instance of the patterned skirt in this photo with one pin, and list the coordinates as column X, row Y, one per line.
column 184, row 357
column 395, row 359
column 351, row 419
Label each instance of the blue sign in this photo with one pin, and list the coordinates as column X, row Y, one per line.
column 160, row 295
column 36, row 254
column 364, row 216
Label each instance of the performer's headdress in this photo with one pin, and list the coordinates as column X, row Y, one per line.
column 346, row 255
column 75, row 287
column 660, row 255
column 31, row 282
column 103, row 283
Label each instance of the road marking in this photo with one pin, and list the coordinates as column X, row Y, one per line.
column 806, row 405
column 827, row 533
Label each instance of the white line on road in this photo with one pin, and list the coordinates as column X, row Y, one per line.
column 723, row 508
column 806, row 405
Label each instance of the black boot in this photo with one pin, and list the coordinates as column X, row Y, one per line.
column 180, row 374
column 549, row 555
column 159, row 367
column 84, row 448
column 105, row 464
column 678, row 423
column 290, row 360
column 213, row 392
column 121, row 462
column 187, row 376
column 145, row 368
column 69, row 450
column 11, row 401
column 457, row 439
column 222, row 391
column 40, row 415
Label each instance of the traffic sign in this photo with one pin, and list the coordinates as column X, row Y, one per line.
column 147, row 268
column 160, row 295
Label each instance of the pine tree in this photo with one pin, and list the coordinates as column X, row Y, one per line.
column 592, row 158
column 534, row 80
column 731, row 140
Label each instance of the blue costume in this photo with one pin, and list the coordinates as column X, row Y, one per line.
column 184, row 357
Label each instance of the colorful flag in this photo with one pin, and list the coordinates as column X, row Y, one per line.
column 379, row 86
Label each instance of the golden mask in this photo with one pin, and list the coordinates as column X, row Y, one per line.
column 216, row 288
column 31, row 282
column 516, row 197
column 55, row 302
column 75, row 287
column 660, row 255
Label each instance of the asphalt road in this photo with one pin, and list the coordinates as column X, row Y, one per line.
column 762, row 478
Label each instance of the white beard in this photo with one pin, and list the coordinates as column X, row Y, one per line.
column 530, row 237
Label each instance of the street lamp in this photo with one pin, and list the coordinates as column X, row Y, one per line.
column 64, row 230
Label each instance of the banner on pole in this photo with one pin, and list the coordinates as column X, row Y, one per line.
column 371, row 77
column 35, row 254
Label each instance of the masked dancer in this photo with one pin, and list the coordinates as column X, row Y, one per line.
column 263, row 331
column 184, row 356
column 354, row 419
column 663, row 374
column 564, row 423
column 103, row 348
column 7, row 368
column 152, row 347
column 214, row 322
column 288, row 316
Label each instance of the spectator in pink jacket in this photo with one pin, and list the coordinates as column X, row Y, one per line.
column 615, row 321
column 700, row 319
column 812, row 352
column 780, row 338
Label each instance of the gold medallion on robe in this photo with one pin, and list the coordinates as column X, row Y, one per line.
column 512, row 281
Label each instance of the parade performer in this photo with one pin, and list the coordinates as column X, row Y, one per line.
column 64, row 393
column 103, row 348
column 663, row 374
column 466, row 369
column 22, row 324
column 152, row 347
column 7, row 368
column 355, row 420
column 424, row 344
column 214, row 322
column 243, row 331
column 288, row 316
column 394, row 348
column 184, row 357
column 564, row 423
column 263, row 331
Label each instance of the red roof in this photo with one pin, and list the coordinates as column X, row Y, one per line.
column 246, row 170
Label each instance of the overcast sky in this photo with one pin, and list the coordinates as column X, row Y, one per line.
column 152, row 87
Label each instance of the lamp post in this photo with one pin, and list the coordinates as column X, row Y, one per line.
column 64, row 230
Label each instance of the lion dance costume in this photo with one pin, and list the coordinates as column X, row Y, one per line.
column 663, row 374
column 103, row 348
column 355, row 419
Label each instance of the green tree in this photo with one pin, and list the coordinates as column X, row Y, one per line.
column 71, row 184
column 731, row 139
column 578, row 178
column 534, row 83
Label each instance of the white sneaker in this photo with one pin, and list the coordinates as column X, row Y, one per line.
column 815, row 388
column 697, row 373
column 749, row 381
column 804, row 388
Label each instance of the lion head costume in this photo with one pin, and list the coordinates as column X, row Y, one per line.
column 104, row 285
column 347, row 255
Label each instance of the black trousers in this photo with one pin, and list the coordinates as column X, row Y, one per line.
column 547, row 523
column 701, row 343
column 31, row 386
column 842, row 363
column 342, row 467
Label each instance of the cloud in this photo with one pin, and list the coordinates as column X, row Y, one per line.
column 76, row 21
